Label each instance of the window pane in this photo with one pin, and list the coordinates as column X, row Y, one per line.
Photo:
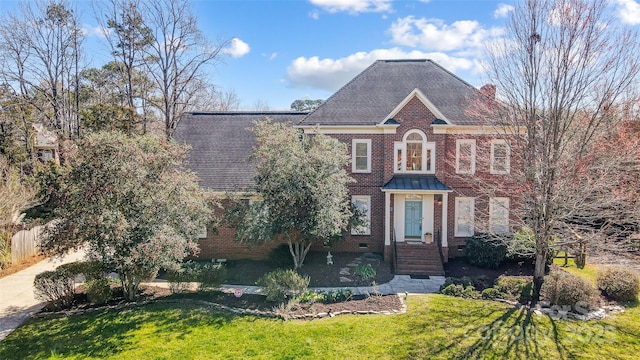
column 399, row 159
column 500, row 160
column 364, row 226
column 464, row 221
column 361, row 163
column 464, row 158
column 499, row 215
column 414, row 156
column 361, row 149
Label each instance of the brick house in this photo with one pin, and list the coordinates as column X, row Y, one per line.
column 414, row 152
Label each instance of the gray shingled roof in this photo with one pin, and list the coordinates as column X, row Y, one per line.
column 221, row 143
column 375, row 93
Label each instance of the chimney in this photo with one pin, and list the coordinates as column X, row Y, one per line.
column 489, row 90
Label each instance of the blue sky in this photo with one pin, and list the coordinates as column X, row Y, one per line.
column 286, row 50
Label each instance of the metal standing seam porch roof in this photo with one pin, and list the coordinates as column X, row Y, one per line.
column 416, row 183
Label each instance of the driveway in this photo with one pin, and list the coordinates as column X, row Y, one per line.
column 17, row 302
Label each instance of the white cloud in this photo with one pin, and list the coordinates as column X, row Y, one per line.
column 353, row 6
column 331, row 74
column 237, row 48
column 503, row 11
column 271, row 56
column 314, row 14
column 435, row 34
column 97, row 31
column 629, row 11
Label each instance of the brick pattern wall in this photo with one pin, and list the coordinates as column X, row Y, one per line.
column 413, row 116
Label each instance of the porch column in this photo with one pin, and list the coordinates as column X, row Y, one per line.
column 445, row 205
column 387, row 218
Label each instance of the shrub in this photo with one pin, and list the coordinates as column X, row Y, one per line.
column 485, row 250
column 90, row 269
column 468, row 292
column 562, row 288
column 515, row 288
column 280, row 257
column 334, row 296
column 619, row 284
column 478, row 282
column 471, row 293
column 491, row 293
column 365, row 271
column 98, row 290
column 55, row 287
column 310, row 296
column 180, row 278
column 452, row 290
column 208, row 274
column 211, row 276
column 279, row 284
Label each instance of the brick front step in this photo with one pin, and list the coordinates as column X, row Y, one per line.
column 418, row 259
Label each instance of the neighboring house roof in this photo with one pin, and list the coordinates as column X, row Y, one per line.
column 375, row 93
column 45, row 139
column 221, row 144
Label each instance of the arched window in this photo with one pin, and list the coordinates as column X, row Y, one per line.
column 414, row 154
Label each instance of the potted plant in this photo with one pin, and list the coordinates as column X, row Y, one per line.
column 428, row 237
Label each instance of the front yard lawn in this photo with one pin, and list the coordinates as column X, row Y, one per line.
column 435, row 326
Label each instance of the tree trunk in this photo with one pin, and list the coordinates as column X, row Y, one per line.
column 298, row 251
column 538, row 273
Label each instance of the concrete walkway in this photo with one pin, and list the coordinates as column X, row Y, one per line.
column 17, row 302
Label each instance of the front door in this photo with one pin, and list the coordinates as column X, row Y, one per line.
column 413, row 219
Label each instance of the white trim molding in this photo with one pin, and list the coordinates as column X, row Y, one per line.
column 354, row 155
column 505, row 167
column 362, row 202
column 472, row 155
column 499, row 215
column 427, row 103
column 464, row 225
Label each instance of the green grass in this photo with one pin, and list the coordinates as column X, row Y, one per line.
column 435, row 326
column 589, row 272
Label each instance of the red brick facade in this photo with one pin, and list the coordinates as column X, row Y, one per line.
column 415, row 115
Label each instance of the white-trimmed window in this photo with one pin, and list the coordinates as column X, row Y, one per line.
column 499, row 215
column 203, row 233
column 414, row 154
column 363, row 204
column 465, row 156
column 500, row 153
column 361, row 155
column 465, row 216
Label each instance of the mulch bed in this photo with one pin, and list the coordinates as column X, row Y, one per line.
column 246, row 272
column 247, row 303
column 459, row 268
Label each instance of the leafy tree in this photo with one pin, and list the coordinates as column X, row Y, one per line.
column 302, row 183
column 306, row 105
column 561, row 71
column 131, row 203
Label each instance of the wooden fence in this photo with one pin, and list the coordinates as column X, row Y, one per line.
column 25, row 244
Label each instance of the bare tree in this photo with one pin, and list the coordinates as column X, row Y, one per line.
column 177, row 56
column 207, row 97
column 560, row 70
column 40, row 49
